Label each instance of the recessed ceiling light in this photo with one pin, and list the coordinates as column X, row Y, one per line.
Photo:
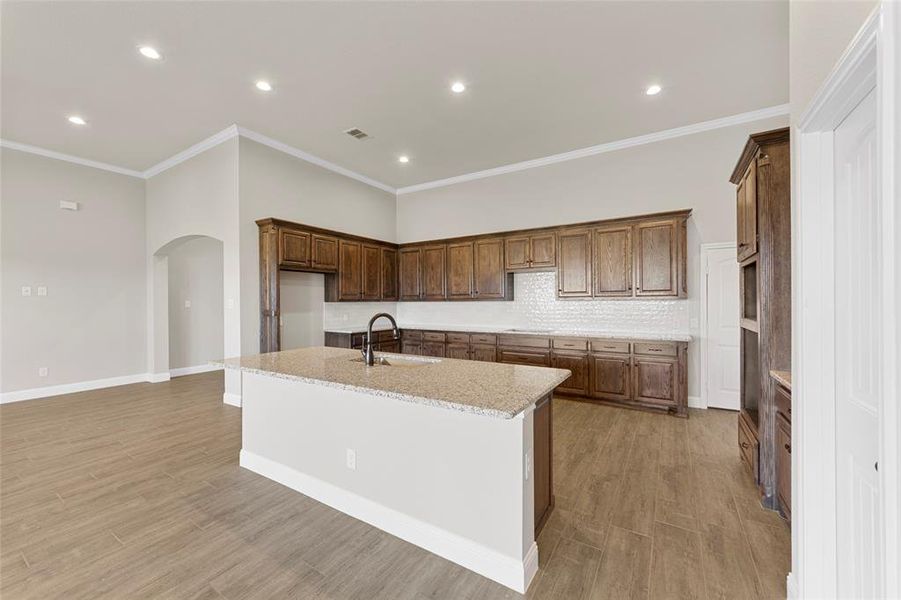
column 458, row 87
column 76, row 120
column 403, row 159
column 264, row 86
column 150, row 52
column 653, row 90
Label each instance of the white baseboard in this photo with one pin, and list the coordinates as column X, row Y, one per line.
column 71, row 388
column 194, row 370
column 791, row 587
column 695, row 402
column 158, row 377
column 506, row 570
column 232, row 399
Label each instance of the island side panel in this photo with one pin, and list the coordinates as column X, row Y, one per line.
column 449, row 481
column 543, row 453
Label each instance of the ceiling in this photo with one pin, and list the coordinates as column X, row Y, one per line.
column 542, row 78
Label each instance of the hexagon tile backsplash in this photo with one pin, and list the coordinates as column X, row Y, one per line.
column 536, row 305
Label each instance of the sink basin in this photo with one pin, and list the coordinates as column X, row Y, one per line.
column 397, row 361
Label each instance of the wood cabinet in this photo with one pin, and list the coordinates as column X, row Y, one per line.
column 410, row 268
column 523, row 356
column 490, row 280
column 388, row 268
column 350, row 271
column 460, row 271
column 657, row 257
column 577, row 363
column 611, row 377
column 434, row 272
column 542, row 452
column 410, row 347
column 746, row 212
column 433, row 349
column 372, row 272
column 574, row 263
column 324, row 252
column 613, row 261
column 784, row 465
column 457, row 350
column 483, row 352
column 654, row 380
column 532, row 251
column 293, row 248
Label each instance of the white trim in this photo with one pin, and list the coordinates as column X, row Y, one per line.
column 659, row 136
column 202, row 146
column 158, row 377
column 232, row 399
column 306, row 156
column 702, row 334
column 696, row 402
column 85, row 162
column 791, row 587
column 71, row 388
column 181, row 371
column 506, row 570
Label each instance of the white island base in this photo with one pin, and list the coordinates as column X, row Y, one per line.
column 456, row 483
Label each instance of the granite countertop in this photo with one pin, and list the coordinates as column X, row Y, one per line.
column 783, row 377
column 492, row 389
column 612, row 335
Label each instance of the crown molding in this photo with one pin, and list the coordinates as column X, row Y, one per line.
column 85, row 162
column 659, row 136
column 201, row 146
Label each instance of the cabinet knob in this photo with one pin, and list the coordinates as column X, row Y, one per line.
column 745, row 445
column 788, row 448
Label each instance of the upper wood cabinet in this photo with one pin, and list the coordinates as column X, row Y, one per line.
column 293, row 248
column 489, row 277
column 324, row 252
column 434, row 272
column 533, row 251
column 388, row 268
column 746, row 212
column 410, row 267
column 350, row 270
column 460, row 270
column 574, row 263
column 657, row 257
column 372, row 272
column 613, row 261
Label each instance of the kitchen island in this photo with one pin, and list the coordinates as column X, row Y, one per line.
column 451, row 455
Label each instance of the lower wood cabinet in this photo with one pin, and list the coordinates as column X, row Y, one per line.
column 433, row 349
column 408, row 347
column 460, row 351
column 543, row 456
column 484, row 352
column 611, row 377
column 577, row 363
column 654, row 380
column 784, row 465
column 522, row 356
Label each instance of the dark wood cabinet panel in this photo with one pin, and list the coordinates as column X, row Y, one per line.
column 490, row 277
column 391, row 346
column 611, row 377
column 410, row 273
column 746, row 211
column 324, row 252
column 350, row 271
column 784, row 464
column 543, row 250
column 411, row 347
column 530, row 251
column 516, row 252
column 372, row 272
column 542, row 452
column 433, row 349
column 460, row 351
column 434, row 272
column 613, row 261
column 519, row 356
column 294, row 248
column 577, row 363
column 655, row 380
column 484, row 352
column 656, row 258
column 574, row 263
column 389, row 274
column 459, row 270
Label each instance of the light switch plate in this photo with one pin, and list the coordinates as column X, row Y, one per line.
column 26, row 290
column 351, row 459
column 187, row 304
column 42, row 290
column 42, row 372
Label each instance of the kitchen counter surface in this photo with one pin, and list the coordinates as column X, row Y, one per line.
column 612, row 335
column 783, row 377
column 492, row 389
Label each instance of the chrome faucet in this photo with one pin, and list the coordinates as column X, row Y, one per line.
column 368, row 354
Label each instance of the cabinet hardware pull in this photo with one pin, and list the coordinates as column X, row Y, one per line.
column 745, row 445
column 788, row 448
column 655, row 349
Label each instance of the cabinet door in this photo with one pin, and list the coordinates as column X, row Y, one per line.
column 543, row 250
column 457, row 351
column 517, row 253
column 408, row 347
column 613, row 261
column 433, row 349
column 577, row 363
column 489, row 273
column 746, row 213
column 293, row 248
column 389, row 274
column 372, row 272
column 350, row 271
column 784, row 464
column 542, row 451
column 484, row 353
column 324, row 252
column 654, row 380
column 656, row 258
column 611, row 377
column 574, row 264
column 392, row 346
column 434, row 263
column 410, row 267
column 459, row 270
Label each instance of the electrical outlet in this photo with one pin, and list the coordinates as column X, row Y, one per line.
column 26, row 290
column 230, row 303
column 42, row 290
column 351, row 459
column 528, row 466
column 187, row 304
column 42, row 372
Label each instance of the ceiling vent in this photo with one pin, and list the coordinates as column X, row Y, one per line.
column 357, row 133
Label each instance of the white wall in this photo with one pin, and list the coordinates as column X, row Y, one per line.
column 275, row 184
column 91, row 324
column 302, row 301
column 195, row 276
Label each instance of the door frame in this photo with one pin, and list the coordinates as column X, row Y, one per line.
column 870, row 61
column 703, row 349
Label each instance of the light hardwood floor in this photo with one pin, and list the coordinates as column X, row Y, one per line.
column 135, row 492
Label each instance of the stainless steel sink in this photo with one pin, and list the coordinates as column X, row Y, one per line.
column 397, row 361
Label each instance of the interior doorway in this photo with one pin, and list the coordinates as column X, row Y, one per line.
column 719, row 328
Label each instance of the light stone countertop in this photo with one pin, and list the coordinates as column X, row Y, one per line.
column 491, row 389
column 611, row 335
column 783, row 377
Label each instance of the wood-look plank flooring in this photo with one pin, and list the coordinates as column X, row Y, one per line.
column 135, row 492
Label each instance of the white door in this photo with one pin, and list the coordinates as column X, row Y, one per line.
column 858, row 358
column 722, row 332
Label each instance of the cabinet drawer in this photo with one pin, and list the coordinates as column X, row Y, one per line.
column 534, row 358
column 457, row 338
column 783, row 403
column 384, row 336
column 655, row 348
column 606, row 346
column 433, row 336
column 523, row 341
column 356, row 340
column 412, row 335
column 747, row 447
column 784, row 464
column 570, row 344
column 483, row 338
